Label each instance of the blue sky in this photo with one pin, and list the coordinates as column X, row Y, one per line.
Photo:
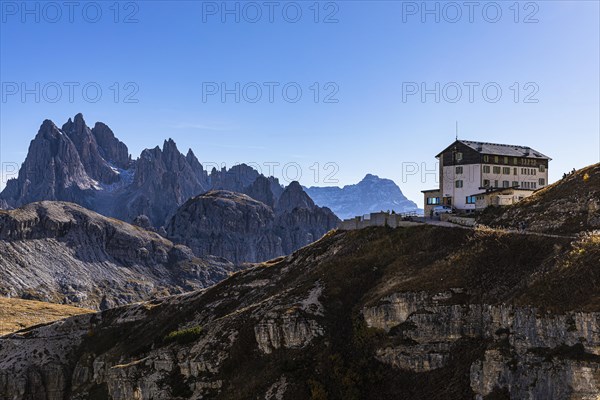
column 365, row 57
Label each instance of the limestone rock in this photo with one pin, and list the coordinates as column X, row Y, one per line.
column 241, row 229
column 63, row 253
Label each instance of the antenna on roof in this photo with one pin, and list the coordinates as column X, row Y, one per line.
column 456, row 130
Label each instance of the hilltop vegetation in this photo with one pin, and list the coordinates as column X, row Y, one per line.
column 569, row 206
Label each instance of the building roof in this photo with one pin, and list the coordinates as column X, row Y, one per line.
column 430, row 190
column 497, row 149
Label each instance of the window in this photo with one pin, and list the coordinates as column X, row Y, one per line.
column 496, row 170
column 471, row 199
column 459, row 170
column 542, row 168
column 496, row 159
column 458, row 156
column 458, row 184
column 486, row 158
column 505, row 160
column 515, row 183
column 516, row 161
column 486, row 183
column 542, row 181
column 486, row 169
column 433, row 201
column 516, row 171
column 505, row 184
column 496, row 183
column 533, row 171
column 528, row 185
column 506, row 170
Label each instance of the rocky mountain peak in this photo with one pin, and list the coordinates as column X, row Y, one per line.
column 111, row 148
column 371, row 194
column 294, row 197
column 164, row 180
column 89, row 151
column 236, row 179
column 243, row 229
column 198, row 169
column 169, row 146
column 52, row 170
column 48, row 131
column 261, row 190
column 370, row 177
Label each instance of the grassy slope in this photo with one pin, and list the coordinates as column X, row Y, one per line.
column 568, row 206
column 16, row 314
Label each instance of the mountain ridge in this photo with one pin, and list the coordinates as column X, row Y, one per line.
column 93, row 168
column 371, row 194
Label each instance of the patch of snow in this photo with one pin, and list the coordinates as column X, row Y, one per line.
column 125, row 179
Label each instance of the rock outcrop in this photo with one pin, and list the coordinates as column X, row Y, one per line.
column 372, row 194
column 419, row 313
column 242, row 229
column 62, row 253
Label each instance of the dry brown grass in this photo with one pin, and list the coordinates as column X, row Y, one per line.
column 16, row 314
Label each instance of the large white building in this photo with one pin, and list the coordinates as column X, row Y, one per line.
column 468, row 170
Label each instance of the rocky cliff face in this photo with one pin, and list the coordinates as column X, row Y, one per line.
column 63, row 253
column 528, row 354
column 372, row 194
column 419, row 313
column 227, row 224
column 241, row 229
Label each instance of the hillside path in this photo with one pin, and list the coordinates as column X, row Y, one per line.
column 452, row 225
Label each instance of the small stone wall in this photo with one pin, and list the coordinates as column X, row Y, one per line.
column 377, row 219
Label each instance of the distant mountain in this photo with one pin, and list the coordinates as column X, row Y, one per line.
column 372, row 194
column 63, row 253
column 92, row 168
column 242, row 229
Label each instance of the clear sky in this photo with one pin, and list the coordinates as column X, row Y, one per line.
column 369, row 60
